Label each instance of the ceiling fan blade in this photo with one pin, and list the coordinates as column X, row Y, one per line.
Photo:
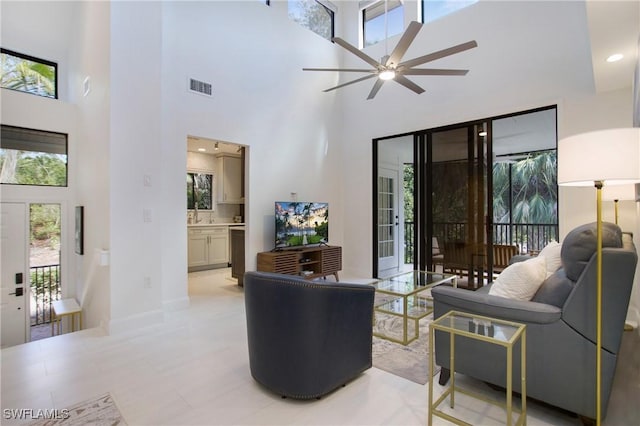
column 340, row 69
column 374, row 90
column 408, row 83
column 433, row 71
column 368, row 59
column 439, row 54
column 404, row 43
column 351, row 82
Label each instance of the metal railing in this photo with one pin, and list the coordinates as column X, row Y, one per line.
column 45, row 288
column 529, row 237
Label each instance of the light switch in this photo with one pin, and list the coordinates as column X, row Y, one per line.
column 147, row 215
column 147, row 180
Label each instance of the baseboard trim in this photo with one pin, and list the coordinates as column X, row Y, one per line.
column 176, row 304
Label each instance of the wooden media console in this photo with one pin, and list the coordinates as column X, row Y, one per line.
column 308, row 262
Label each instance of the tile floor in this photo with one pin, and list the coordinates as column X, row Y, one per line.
column 193, row 370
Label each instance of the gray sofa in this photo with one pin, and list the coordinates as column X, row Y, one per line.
column 561, row 324
column 307, row 338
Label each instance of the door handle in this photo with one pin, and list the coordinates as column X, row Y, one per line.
column 19, row 292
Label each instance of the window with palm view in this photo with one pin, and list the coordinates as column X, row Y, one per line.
column 28, row 74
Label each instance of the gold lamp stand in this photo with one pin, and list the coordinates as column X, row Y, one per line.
column 598, row 184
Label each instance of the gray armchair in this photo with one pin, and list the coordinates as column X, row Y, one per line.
column 307, row 338
column 561, row 324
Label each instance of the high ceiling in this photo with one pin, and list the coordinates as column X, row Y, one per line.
column 613, row 27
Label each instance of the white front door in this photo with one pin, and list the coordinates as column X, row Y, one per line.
column 388, row 222
column 15, row 281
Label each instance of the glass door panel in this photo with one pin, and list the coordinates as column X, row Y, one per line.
column 393, row 230
column 457, row 170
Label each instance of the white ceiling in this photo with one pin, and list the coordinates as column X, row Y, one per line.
column 614, row 27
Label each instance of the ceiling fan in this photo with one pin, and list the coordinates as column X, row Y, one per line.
column 390, row 67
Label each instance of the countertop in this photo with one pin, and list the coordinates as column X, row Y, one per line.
column 201, row 224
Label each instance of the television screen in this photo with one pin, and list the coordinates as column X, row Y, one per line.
column 301, row 223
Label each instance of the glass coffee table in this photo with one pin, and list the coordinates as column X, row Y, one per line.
column 404, row 297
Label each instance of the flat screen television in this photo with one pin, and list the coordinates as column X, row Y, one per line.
column 301, row 224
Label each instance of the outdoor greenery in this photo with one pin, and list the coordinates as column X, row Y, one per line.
column 534, row 190
column 525, row 193
column 27, row 76
column 312, row 15
column 200, row 188
column 32, row 168
column 45, row 223
column 408, row 183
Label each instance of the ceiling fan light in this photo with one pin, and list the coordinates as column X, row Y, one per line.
column 387, row 75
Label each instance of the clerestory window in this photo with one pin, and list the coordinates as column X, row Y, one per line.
column 374, row 27
column 33, row 157
column 436, row 9
column 28, row 74
column 316, row 15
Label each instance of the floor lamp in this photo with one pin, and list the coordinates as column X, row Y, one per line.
column 619, row 193
column 605, row 157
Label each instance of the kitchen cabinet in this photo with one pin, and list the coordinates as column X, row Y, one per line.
column 208, row 247
column 229, row 179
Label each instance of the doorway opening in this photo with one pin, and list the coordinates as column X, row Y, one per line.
column 44, row 266
column 215, row 210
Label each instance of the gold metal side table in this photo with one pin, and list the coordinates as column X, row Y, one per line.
column 486, row 329
column 63, row 308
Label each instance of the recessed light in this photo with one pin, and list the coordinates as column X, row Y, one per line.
column 615, row 58
column 202, row 150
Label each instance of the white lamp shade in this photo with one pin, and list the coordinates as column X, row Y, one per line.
column 619, row 192
column 611, row 156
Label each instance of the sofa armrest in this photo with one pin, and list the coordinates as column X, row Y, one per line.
column 449, row 298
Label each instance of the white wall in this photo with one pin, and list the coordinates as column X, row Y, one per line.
column 136, row 208
column 261, row 99
column 89, row 57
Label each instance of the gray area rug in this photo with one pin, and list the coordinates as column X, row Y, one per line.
column 410, row 362
column 101, row 411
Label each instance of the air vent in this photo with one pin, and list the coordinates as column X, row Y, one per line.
column 200, row 87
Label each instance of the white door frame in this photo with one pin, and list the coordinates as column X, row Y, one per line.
column 389, row 265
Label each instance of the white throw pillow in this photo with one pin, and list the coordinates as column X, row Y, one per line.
column 521, row 280
column 551, row 254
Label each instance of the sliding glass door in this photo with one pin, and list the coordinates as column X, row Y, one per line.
column 463, row 198
column 455, row 212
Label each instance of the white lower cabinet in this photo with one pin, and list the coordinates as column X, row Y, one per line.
column 208, row 246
